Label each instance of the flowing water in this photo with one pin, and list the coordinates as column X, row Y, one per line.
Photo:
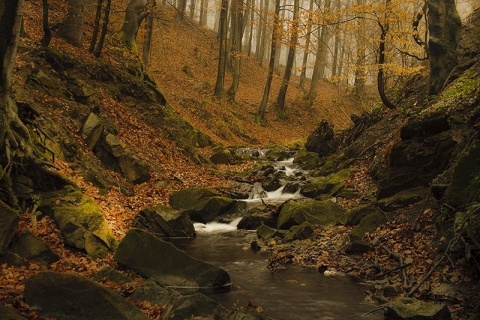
column 293, row 293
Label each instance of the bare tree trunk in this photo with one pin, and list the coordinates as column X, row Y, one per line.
column 260, row 116
column 47, row 33
column 444, row 26
column 192, row 9
column 101, row 41
column 236, row 32
column 303, row 74
column 264, row 32
column 147, row 42
column 258, row 32
column 182, row 6
column 134, row 16
column 278, row 50
column 320, row 63
column 360, row 72
column 280, row 103
column 203, row 13
column 338, row 40
column 96, row 26
column 222, row 50
column 72, row 30
column 381, row 60
column 250, row 33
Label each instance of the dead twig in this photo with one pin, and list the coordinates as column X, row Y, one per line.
column 400, row 261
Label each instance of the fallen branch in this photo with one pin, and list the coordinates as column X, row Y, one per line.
column 400, row 261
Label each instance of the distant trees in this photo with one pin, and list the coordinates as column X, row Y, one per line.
column 72, row 28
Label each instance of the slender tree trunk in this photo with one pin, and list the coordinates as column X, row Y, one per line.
column 278, row 49
column 259, row 31
column 444, row 26
column 106, row 19
column 360, row 72
column 260, row 116
column 280, row 103
column 320, row 61
column 306, row 52
column 47, row 33
column 72, row 29
column 222, row 50
column 381, row 61
column 192, row 9
column 236, row 33
column 338, row 40
column 203, row 13
column 250, row 33
column 182, row 6
column 96, row 26
column 263, row 39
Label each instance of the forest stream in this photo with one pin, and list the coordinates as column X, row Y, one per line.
column 283, row 293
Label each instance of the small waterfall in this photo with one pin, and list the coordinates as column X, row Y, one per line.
column 216, row 227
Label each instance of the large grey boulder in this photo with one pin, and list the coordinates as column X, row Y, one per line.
column 207, row 209
column 322, row 213
column 153, row 293
column 80, row 220
column 196, row 305
column 8, row 224
column 73, row 297
column 165, row 222
column 151, row 257
column 330, row 184
column 368, row 224
column 29, row 247
column 92, row 130
column 412, row 309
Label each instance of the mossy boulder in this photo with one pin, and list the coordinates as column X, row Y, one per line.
column 465, row 185
column 62, row 296
column 187, row 198
column 322, row 213
column 255, row 217
column 221, row 156
column 322, row 139
column 207, row 209
column 80, row 221
column 164, row 222
column 306, row 160
column 357, row 214
column 331, row 184
column 196, row 305
column 301, row 232
column 412, row 309
column 368, row 224
column 265, row 232
column 402, row 199
column 154, row 293
column 151, row 257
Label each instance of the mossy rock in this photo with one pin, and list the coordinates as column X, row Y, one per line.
column 307, row 160
column 331, row 184
column 330, row 165
column 357, row 214
column 207, row 209
column 402, row 199
column 368, row 224
column 265, row 232
column 187, row 198
column 301, row 232
column 412, row 309
column 154, row 293
column 222, row 156
column 322, row 213
column 465, row 185
column 29, row 247
column 80, row 220
column 9, row 219
column 8, row 314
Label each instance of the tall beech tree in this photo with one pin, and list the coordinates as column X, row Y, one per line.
column 72, row 29
column 222, row 51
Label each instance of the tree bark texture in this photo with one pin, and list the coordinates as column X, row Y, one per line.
column 106, row 19
column 72, row 29
column 444, row 25
column 134, row 16
column 236, row 35
column 47, row 33
column 222, row 49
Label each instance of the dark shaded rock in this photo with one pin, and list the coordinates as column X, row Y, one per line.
column 222, row 156
column 246, row 314
column 111, row 275
column 307, row 160
column 80, row 220
column 271, row 184
column 115, row 156
column 8, row 225
column 465, row 185
column 402, row 199
column 412, row 309
column 321, row 140
column 92, row 130
column 187, row 198
column 358, row 247
column 7, row 314
column 414, row 163
column 301, row 232
column 196, row 305
column 207, row 209
column 80, row 91
column 291, row 187
column 164, row 221
column 323, row 213
column 12, row 259
column 368, row 224
column 74, row 297
column 32, row 248
column 154, row 293
column 326, row 185
column 279, row 154
column 256, row 217
column 426, row 126
column 154, row 258
column 357, row 214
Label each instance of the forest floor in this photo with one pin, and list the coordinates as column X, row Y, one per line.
column 184, row 65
